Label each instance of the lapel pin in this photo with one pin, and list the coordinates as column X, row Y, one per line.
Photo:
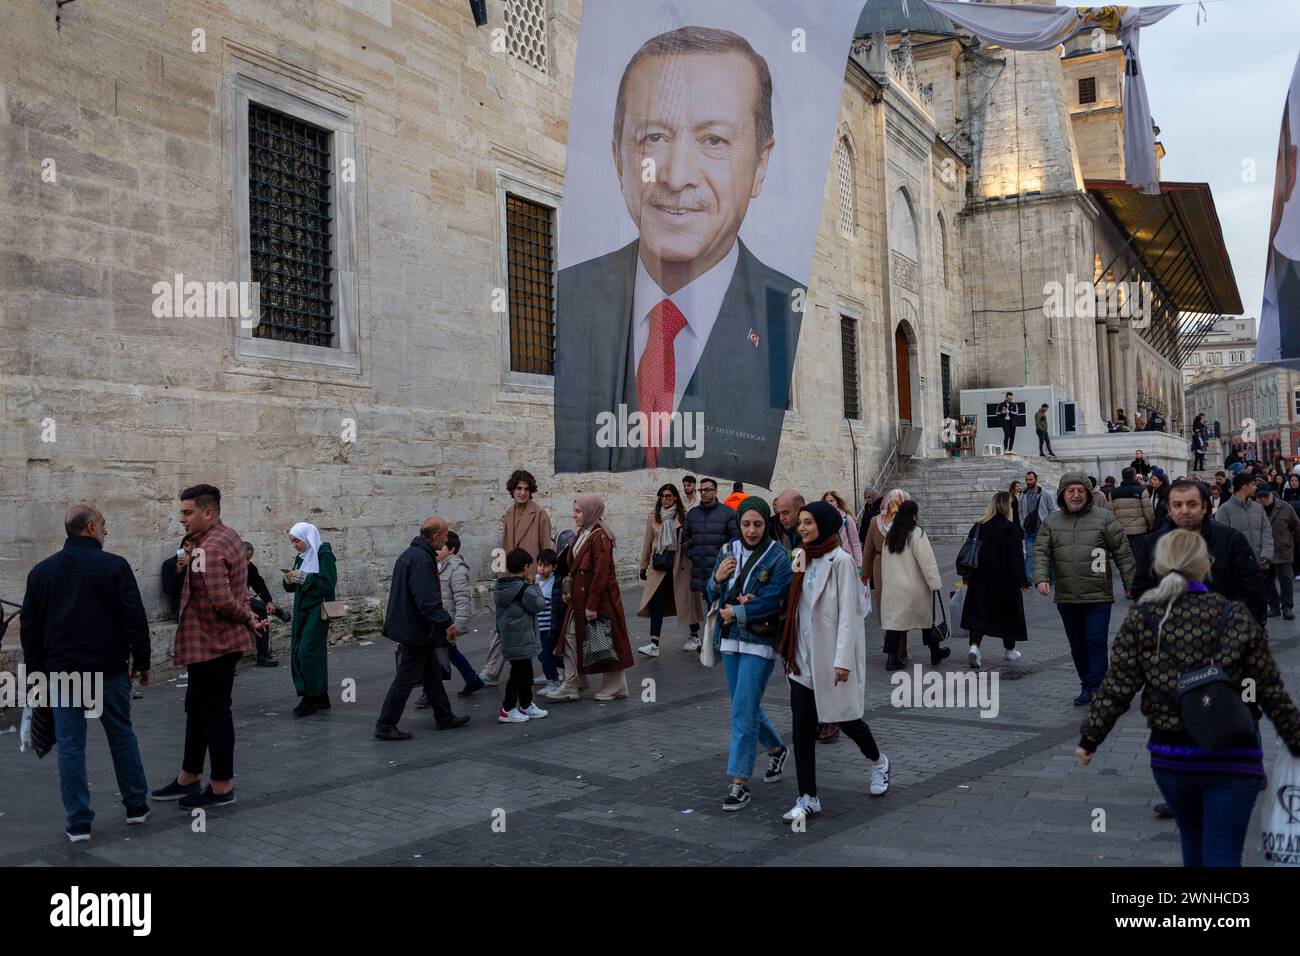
column 753, row 338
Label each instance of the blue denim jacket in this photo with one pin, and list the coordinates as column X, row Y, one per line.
column 768, row 595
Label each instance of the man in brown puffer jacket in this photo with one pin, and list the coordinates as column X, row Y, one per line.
column 1131, row 504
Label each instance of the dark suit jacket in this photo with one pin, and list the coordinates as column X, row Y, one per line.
column 1287, row 274
column 742, row 389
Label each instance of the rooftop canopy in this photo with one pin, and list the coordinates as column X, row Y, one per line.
column 1179, row 241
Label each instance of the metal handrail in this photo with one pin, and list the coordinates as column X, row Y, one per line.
column 887, row 468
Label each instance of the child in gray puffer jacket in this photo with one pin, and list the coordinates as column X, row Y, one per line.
column 519, row 601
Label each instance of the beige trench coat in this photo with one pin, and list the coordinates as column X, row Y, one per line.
column 908, row 582
column 839, row 638
column 680, row 596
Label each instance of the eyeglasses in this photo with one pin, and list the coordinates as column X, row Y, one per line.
column 666, row 494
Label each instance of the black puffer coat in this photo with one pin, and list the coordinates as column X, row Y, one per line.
column 706, row 530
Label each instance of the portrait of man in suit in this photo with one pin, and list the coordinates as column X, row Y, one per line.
column 684, row 322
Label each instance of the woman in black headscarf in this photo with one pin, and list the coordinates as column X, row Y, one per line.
column 823, row 643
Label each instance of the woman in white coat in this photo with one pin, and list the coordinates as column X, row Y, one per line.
column 910, row 576
column 824, row 647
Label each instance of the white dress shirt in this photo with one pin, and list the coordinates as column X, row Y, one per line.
column 699, row 301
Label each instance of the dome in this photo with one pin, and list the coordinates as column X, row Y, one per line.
column 887, row 15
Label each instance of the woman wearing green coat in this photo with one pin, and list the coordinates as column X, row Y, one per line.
column 311, row 582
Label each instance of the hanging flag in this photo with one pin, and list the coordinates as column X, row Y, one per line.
column 1279, row 319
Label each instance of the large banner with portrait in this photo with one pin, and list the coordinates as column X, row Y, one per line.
column 699, row 142
column 1279, row 319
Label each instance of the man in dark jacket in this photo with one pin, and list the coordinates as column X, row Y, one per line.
column 417, row 621
column 709, row 525
column 1234, row 572
column 870, row 508
column 1286, row 526
column 82, row 618
column 173, row 578
column 262, row 606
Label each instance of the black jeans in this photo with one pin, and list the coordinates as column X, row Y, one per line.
column 803, row 719
column 976, row 637
column 1043, row 439
column 519, row 686
column 416, row 667
column 209, row 726
column 894, row 640
column 263, row 633
column 1199, row 464
column 1283, row 581
column 1008, row 436
column 657, row 605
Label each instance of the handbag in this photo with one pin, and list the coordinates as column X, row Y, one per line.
column 957, row 603
column 332, row 610
column 939, row 627
column 1281, row 814
column 662, row 561
column 37, row 731
column 1210, row 705
column 598, row 645
column 968, row 558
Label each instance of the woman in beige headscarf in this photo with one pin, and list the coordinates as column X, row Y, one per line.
column 873, row 548
column 593, row 596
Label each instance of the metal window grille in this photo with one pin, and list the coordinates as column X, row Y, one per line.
column 849, row 356
column 530, row 229
column 290, row 227
column 844, row 169
column 526, row 32
column 945, row 369
column 1087, row 90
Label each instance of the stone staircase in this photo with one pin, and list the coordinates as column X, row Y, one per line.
column 953, row 492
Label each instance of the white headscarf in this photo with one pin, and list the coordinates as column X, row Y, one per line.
column 311, row 557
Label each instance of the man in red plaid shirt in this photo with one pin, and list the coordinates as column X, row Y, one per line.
column 216, row 628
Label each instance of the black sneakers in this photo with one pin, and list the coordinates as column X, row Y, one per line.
column 206, row 799
column 775, row 764
column 78, row 834
column 737, row 797
column 137, row 815
column 175, row 790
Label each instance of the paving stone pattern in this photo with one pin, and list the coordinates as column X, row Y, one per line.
column 630, row 782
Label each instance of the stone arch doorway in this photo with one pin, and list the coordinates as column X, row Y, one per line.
column 906, row 374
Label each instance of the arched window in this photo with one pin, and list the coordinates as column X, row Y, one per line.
column 844, row 174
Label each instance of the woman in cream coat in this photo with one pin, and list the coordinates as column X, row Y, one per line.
column 909, row 578
column 824, row 647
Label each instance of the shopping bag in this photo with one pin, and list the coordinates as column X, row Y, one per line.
column 865, row 598
column 957, row 604
column 1281, row 816
column 709, row 653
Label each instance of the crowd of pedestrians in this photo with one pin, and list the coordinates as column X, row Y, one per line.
column 791, row 583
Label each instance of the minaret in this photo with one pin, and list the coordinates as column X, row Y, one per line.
column 1028, row 225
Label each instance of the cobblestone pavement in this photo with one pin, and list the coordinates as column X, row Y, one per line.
column 630, row 782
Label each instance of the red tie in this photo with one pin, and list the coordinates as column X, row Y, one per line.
column 656, row 375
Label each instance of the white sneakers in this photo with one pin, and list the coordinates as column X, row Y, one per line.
column 803, row 808
column 649, row 650
column 517, row 716
column 483, row 676
column 974, row 658
column 692, row 644
column 550, row 688
column 879, row 776
column 1014, row 655
column 540, row 679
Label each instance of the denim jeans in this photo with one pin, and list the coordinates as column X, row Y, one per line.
column 747, row 676
column 70, row 730
column 1212, row 811
column 1029, row 559
column 462, row 664
column 1088, row 628
column 551, row 663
